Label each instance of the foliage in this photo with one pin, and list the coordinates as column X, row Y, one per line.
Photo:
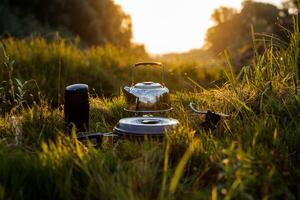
column 232, row 28
column 13, row 92
column 54, row 65
column 95, row 21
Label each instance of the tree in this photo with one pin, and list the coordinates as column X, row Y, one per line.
column 232, row 30
column 220, row 35
column 223, row 14
column 95, row 21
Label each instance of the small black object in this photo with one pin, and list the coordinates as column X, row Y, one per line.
column 192, row 106
column 77, row 107
column 211, row 120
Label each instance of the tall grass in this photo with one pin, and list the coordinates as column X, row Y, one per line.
column 254, row 154
column 56, row 64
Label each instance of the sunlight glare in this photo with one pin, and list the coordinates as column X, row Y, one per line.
column 172, row 25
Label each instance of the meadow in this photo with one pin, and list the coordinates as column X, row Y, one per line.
column 253, row 154
column 60, row 62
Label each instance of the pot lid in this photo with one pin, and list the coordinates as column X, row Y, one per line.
column 141, row 126
column 148, row 85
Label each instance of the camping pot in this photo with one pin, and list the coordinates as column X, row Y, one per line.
column 133, row 129
column 144, row 126
column 147, row 97
column 77, row 107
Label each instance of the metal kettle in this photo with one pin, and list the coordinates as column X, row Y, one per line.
column 147, row 97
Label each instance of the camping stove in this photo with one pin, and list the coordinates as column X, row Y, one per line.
column 142, row 99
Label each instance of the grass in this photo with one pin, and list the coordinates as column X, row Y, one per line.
column 56, row 64
column 254, row 154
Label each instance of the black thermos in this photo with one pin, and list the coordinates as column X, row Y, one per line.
column 77, row 107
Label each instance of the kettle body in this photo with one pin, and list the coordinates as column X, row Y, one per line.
column 147, row 97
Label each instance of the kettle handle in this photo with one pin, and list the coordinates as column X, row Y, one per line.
column 149, row 63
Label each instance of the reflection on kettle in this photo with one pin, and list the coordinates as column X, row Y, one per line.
column 147, row 96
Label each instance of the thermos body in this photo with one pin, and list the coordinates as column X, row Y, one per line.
column 76, row 107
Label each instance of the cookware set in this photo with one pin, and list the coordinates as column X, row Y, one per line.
column 143, row 99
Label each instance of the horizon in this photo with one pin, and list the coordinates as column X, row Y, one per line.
column 163, row 33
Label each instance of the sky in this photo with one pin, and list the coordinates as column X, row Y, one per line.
column 166, row 26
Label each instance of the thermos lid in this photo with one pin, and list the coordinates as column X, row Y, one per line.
column 77, row 89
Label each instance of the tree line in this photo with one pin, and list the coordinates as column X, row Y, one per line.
column 96, row 22
column 99, row 22
column 232, row 29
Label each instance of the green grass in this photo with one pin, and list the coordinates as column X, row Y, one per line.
column 56, row 64
column 254, row 154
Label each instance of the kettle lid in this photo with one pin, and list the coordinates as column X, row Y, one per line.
column 148, row 85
